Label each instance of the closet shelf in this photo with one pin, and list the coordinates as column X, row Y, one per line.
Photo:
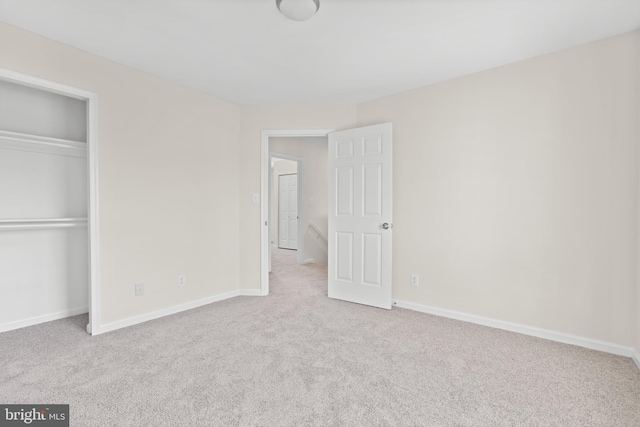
column 42, row 144
column 41, row 223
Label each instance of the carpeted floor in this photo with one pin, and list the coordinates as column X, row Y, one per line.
column 296, row 358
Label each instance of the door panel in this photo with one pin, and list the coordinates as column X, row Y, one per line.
column 344, row 191
column 371, row 253
column 293, row 234
column 372, row 180
column 344, row 257
column 360, row 202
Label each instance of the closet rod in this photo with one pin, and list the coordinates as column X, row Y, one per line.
column 41, row 223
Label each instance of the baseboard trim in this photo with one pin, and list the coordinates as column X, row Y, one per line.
column 10, row 326
column 636, row 357
column 135, row 320
column 250, row 293
column 589, row 343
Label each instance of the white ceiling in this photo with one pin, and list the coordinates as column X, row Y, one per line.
column 246, row 52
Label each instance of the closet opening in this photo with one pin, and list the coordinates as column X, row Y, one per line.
column 48, row 217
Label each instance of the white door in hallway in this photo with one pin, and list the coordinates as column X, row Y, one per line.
column 288, row 211
column 360, row 215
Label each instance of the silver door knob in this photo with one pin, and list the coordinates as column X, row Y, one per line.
column 387, row 226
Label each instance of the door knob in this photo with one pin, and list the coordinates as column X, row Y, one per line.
column 387, row 226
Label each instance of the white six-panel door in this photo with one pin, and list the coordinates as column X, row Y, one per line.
column 360, row 215
column 288, row 211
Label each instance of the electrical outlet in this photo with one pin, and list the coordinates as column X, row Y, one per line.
column 415, row 280
column 139, row 289
column 182, row 280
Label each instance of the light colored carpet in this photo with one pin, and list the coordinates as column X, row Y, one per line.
column 296, row 358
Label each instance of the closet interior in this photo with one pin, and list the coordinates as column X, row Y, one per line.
column 44, row 245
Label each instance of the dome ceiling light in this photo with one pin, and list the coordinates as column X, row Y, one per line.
column 298, row 10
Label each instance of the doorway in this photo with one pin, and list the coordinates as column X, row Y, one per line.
column 298, row 196
column 359, row 214
column 59, row 213
column 311, row 230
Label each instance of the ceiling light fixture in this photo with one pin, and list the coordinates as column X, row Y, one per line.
column 298, row 10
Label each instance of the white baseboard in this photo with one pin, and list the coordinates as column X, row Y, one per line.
column 250, row 293
column 636, row 357
column 592, row 344
column 119, row 324
column 308, row 261
column 9, row 326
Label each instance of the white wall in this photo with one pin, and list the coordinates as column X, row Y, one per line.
column 280, row 167
column 168, row 177
column 516, row 191
column 44, row 275
column 41, row 185
column 313, row 152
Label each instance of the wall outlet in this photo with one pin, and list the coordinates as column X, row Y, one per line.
column 139, row 289
column 182, row 280
column 415, row 280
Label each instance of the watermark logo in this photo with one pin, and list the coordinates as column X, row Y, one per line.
column 34, row 415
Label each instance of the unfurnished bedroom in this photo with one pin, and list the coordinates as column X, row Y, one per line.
column 320, row 213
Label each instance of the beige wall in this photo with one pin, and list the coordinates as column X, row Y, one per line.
column 168, row 176
column 281, row 167
column 516, row 189
column 314, row 153
column 253, row 121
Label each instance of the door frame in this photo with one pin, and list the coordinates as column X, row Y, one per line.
column 91, row 98
column 300, row 171
column 265, row 168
